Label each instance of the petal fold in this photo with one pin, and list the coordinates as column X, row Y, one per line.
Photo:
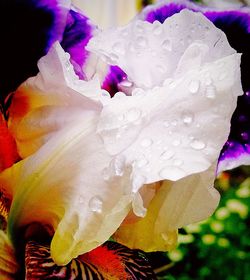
column 52, row 100
column 174, row 205
column 133, row 46
column 235, row 22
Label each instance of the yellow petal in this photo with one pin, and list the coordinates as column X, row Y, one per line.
column 175, row 204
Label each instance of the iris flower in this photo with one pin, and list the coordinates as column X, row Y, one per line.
column 135, row 166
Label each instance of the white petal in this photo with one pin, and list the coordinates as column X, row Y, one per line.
column 70, row 184
column 177, row 130
column 150, row 53
column 50, row 101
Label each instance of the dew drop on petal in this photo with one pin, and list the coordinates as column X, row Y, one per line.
column 210, row 92
column 126, row 83
column 174, row 123
column 139, row 27
column 133, row 114
column 104, row 93
column 95, row 204
column 187, row 117
column 113, row 57
column 160, row 68
column 81, row 199
column 141, row 41
column 117, row 165
column 176, row 143
column 157, row 28
column 121, row 118
column 168, row 154
column 222, row 76
column 194, row 86
column 166, row 45
column 138, row 92
column 177, row 162
column 105, row 174
column 146, row 142
column 166, row 123
column 118, row 48
column 197, row 144
column 142, row 162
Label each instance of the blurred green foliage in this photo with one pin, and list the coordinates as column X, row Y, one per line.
column 217, row 248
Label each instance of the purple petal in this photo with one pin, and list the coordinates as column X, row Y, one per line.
column 236, row 25
column 112, row 80
column 77, row 33
column 27, row 33
column 237, row 149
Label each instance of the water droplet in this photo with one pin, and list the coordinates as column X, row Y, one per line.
column 166, row 45
column 141, row 41
column 168, row 154
column 174, row 122
column 197, row 144
column 157, row 28
column 106, row 174
column 67, row 65
column 67, row 55
column 118, row 48
column 153, row 53
column 118, row 165
column 166, row 123
column 176, row 143
column 133, row 114
column 161, row 68
column 187, row 117
column 142, row 162
column 126, row 83
column 207, row 28
column 139, row 27
column 138, row 92
column 124, row 33
column 208, row 81
column 146, row 142
column 131, row 47
column 210, row 92
column 95, row 204
column 222, row 76
column 113, row 57
column 178, row 162
column 194, row 86
column 105, row 93
column 81, row 199
column 121, row 118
